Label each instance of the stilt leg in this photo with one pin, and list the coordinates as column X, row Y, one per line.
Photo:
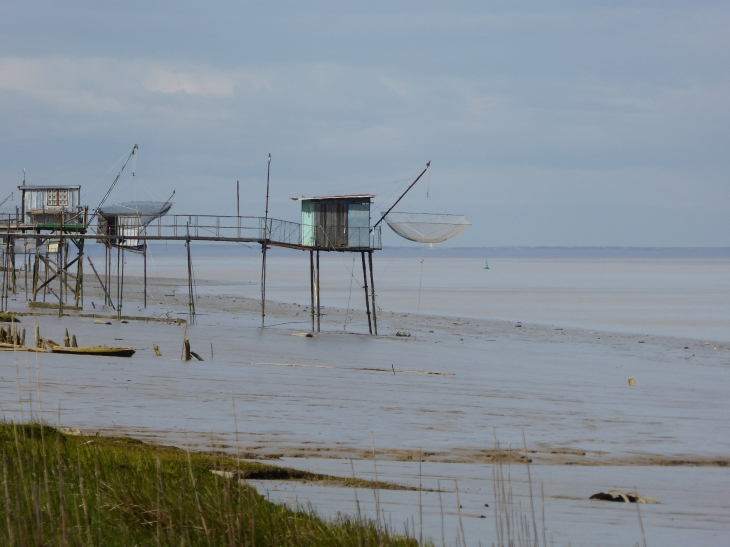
column 367, row 296
column 311, row 285
column 372, row 292
column 144, row 255
column 60, row 271
column 319, row 315
column 191, row 294
column 119, row 303
column 121, row 287
column 263, row 283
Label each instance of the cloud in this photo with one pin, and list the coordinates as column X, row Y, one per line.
column 192, row 83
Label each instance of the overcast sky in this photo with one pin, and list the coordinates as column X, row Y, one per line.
column 581, row 123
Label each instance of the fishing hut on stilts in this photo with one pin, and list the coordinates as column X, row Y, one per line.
column 339, row 224
column 53, row 223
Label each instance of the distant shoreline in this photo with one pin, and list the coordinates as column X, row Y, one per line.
column 586, row 253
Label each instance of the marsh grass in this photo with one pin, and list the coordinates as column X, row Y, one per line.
column 67, row 490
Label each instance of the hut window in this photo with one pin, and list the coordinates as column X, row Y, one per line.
column 56, row 198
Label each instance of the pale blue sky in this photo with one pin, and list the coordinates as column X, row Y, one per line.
column 580, row 123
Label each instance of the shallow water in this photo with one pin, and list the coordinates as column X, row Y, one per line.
column 674, row 297
column 587, row 326
column 694, row 509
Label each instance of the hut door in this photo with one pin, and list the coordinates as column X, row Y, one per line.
column 358, row 225
column 330, row 219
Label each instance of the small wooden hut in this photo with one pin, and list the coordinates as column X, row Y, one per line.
column 48, row 207
column 336, row 223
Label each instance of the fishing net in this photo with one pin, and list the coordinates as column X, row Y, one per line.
column 146, row 210
column 426, row 227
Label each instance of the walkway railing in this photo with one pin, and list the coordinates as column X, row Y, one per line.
column 129, row 231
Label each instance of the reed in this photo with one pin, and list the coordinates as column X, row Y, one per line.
column 63, row 490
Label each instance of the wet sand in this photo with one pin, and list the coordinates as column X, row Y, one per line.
column 327, row 398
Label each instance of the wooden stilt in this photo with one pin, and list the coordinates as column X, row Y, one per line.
column 36, row 265
column 79, row 294
column 109, row 272
column 319, row 315
column 12, row 266
column 121, row 286
column 191, row 295
column 311, row 285
column 119, row 309
column 107, row 298
column 263, row 282
column 60, row 269
column 26, row 264
column 372, row 292
column 367, row 296
column 144, row 256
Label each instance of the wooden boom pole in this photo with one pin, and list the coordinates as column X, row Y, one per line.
column 401, row 196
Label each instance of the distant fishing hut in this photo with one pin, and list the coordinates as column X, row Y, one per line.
column 50, row 207
column 57, row 211
column 125, row 227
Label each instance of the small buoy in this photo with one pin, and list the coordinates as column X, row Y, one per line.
column 632, row 382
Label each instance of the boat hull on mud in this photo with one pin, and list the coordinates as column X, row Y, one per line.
column 101, row 351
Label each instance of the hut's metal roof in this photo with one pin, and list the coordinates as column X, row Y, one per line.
column 48, row 187
column 322, row 198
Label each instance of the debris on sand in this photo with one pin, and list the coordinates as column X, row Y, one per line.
column 632, row 382
column 620, row 497
column 8, row 318
column 100, row 322
column 403, row 334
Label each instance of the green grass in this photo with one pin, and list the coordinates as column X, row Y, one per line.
column 104, row 491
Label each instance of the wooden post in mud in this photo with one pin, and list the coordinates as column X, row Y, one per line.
column 372, row 292
column 317, row 294
column 311, row 285
column 367, row 296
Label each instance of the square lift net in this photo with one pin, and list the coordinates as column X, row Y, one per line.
column 426, row 227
